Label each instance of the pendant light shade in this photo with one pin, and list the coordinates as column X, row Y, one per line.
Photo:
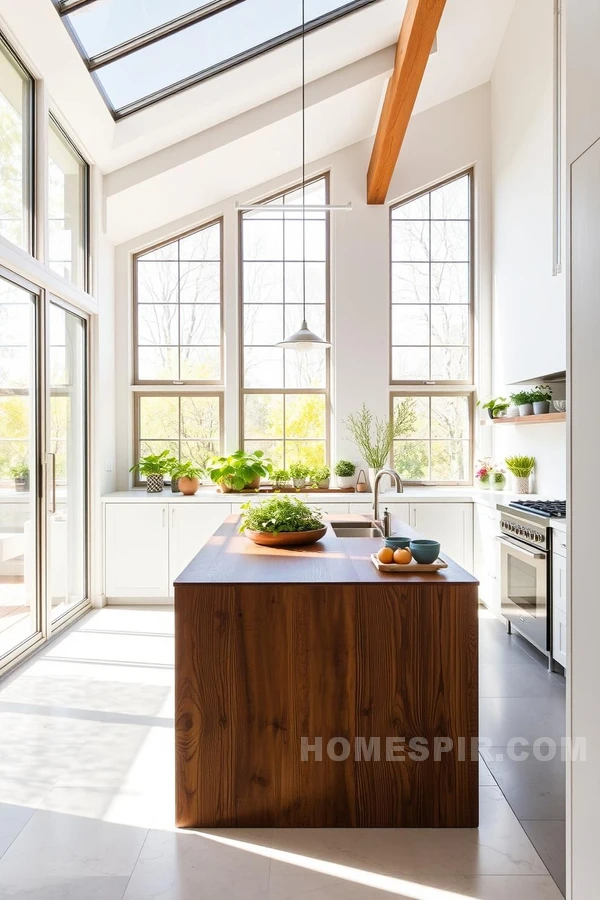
column 303, row 340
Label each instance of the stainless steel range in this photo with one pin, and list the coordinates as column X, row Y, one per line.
column 525, row 579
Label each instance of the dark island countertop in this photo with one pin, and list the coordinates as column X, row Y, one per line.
column 231, row 558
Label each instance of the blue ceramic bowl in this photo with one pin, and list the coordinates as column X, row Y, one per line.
column 395, row 543
column 425, row 552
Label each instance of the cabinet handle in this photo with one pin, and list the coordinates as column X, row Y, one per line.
column 163, row 516
column 172, row 516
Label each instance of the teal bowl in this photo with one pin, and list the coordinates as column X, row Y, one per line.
column 396, row 543
column 425, row 552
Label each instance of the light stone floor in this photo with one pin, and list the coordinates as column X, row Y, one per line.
column 86, row 788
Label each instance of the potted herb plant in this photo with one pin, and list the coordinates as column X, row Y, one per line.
column 521, row 467
column 280, row 478
column 299, row 472
column 240, row 470
column 523, row 400
column 282, row 521
column 541, row 397
column 496, row 407
column 320, row 476
column 344, row 473
column 375, row 437
column 188, row 477
column 154, row 468
column 20, row 473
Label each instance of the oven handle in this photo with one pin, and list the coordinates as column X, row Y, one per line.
column 524, row 550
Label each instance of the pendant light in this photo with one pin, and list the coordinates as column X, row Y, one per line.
column 303, row 340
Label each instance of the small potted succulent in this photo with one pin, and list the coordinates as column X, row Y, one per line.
column 299, row 473
column 188, row 477
column 524, row 401
column 153, row 468
column 521, row 467
column 541, row 397
column 345, row 472
column 496, row 407
column 280, row 478
column 319, row 477
column 20, row 473
column 240, row 470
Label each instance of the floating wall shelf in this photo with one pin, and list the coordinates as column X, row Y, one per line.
column 530, row 420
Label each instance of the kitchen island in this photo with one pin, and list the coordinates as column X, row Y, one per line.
column 312, row 690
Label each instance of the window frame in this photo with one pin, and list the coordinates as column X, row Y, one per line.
column 326, row 391
column 137, row 381
column 467, row 392
column 30, row 150
column 87, row 265
column 470, row 172
column 138, row 395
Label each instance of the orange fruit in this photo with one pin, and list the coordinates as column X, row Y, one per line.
column 386, row 555
column 402, row 556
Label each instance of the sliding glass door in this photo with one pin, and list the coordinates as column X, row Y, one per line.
column 66, row 460
column 20, row 610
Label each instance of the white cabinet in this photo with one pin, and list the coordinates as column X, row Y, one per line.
column 449, row 523
column 147, row 545
column 136, row 550
column 191, row 525
column 559, row 600
column 486, row 562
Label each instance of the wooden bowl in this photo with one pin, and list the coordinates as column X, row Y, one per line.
column 286, row 538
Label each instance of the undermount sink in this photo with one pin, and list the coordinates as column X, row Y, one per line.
column 356, row 531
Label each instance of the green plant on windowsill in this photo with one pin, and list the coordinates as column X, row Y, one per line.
column 345, row 469
column 187, row 470
column 20, row 472
column 240, row 470
column 299, row 472
column 153, row 468
column 280, row 478
column 374, row 437
column 319, row 477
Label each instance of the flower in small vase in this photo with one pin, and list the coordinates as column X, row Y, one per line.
column 484, row 472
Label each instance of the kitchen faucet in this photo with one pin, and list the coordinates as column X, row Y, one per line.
column 385, row 525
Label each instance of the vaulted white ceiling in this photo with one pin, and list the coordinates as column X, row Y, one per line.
column 242, row 127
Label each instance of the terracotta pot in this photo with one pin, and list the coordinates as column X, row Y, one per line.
column 189, row 486
column 286, row 538
column 255, row 484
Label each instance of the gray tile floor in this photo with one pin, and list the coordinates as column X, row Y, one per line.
column 519, row 698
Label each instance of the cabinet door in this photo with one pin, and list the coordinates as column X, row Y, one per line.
column 399, row 510
column 559, row 583
column 486, row 555
column 559, row 638
column 191, row 525
column 449, row 523
column 137, row 550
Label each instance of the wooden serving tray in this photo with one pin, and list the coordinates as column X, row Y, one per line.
column 411, row 567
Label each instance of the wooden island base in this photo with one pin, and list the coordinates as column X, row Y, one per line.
column 374, row 661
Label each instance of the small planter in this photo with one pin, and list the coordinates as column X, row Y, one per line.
column 345, row 481
column 526, row 409
column 497, row 481
column 522, row 485
column 512, row 412
column 323, row 485
column 280, row 485
column 21, row 485
column 155, row 483
column 299, row 483
column 541, row 407
column 189, row 486
column 484, row 482
column 175, row 489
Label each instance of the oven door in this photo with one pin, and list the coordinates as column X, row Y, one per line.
column 524, row 590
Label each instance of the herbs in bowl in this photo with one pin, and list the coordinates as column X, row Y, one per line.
column 282, row 522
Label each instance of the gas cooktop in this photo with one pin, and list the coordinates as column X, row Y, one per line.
column 551, row 509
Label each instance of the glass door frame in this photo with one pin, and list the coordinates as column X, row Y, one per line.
column 85, row 603
column 46, row 628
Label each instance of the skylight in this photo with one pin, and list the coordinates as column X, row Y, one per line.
column 141, row 51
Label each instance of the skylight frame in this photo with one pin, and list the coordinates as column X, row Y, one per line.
column 97, row 62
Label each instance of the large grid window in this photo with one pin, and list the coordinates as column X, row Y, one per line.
column 285, row 393
column 188, row 425
column 431, row 285
column 178, row 310
column 432, row 332
column 16, row 150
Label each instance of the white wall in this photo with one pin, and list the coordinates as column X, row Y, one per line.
column 529, row 323
column 360, row 265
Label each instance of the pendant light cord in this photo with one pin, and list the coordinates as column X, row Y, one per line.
column 303, row 164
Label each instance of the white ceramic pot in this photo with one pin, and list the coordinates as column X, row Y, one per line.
column 526, row 409
column 345, row 481
column 512, row 412
column 372, row 475
column 522, row 485
column 541, row 407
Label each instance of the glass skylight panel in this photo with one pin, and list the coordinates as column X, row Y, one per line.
column 108, row 23
column 223, row 33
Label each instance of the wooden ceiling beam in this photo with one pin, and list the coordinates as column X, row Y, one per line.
column 417, row 36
